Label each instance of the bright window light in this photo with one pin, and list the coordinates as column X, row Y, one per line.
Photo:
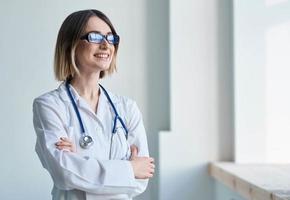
column 278, row 93
column 274, row 2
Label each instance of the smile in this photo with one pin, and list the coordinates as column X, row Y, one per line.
column 102, row 55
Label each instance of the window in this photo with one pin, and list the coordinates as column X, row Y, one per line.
column 262, row 80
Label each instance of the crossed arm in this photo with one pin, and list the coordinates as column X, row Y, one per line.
column 143, row 167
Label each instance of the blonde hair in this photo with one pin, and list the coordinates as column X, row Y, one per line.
column 67, row 40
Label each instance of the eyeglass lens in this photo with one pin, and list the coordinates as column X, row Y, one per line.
column 98, row 38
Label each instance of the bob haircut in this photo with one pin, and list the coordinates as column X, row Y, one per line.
column 67, row 40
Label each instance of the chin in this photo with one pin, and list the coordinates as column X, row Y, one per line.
column 103, row 68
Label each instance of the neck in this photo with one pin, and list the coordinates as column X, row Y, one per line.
column 86, row 85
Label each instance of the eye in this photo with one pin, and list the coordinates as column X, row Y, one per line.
column 113, row 39
column 110, row 38
column 95, row 37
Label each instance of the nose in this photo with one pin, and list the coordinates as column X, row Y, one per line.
column 104, row 44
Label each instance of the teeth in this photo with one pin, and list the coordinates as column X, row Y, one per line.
column 102, row 55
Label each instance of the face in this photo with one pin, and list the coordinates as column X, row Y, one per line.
column 92, row 57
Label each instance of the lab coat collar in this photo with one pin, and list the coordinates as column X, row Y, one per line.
column 64, row 96
column 103, row 104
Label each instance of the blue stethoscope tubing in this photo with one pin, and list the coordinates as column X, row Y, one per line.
column 87, row 140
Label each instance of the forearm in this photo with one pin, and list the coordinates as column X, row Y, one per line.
column 70, row 171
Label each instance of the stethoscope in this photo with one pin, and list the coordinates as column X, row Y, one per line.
column 87, row 141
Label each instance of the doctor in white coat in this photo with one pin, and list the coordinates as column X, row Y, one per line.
column 91, row 141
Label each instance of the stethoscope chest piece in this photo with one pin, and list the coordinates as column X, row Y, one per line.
column 86, row 141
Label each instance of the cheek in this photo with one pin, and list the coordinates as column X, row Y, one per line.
column 113, row 52
column 83, row 53
column 79, row 57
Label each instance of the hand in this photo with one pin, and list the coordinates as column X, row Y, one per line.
column 65, row 144
column 143, row 167
column 134, row 150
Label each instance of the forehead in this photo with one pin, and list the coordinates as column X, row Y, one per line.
column 96, row 24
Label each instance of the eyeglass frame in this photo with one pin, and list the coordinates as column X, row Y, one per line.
column 104, row 37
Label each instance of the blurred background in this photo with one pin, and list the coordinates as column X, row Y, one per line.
column 211, row 78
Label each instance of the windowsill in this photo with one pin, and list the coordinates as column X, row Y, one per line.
column 254, row 181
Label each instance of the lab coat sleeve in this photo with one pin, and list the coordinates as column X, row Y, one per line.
column 137, row 136
column 70, row 170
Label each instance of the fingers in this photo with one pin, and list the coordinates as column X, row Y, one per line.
column 65, row 139
column 149, row 176
column 65, row 144
column 151, row 172
column 143, row 167
column 152, row 167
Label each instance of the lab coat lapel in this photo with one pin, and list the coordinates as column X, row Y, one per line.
column 105, row 111
column 81, row 103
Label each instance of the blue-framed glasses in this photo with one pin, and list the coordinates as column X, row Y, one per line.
column 98, row 38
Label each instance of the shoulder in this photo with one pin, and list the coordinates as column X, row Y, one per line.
column 127, row 108
column 52, row 98
column 50, row 109
column 123, row 102
column 48, row 96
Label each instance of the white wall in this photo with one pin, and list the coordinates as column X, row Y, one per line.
column 201, row 99
column 200, row 111
column 28, row 33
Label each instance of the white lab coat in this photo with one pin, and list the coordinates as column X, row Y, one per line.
column 88, row 173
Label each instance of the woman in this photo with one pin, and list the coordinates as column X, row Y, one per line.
column 92, row 142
